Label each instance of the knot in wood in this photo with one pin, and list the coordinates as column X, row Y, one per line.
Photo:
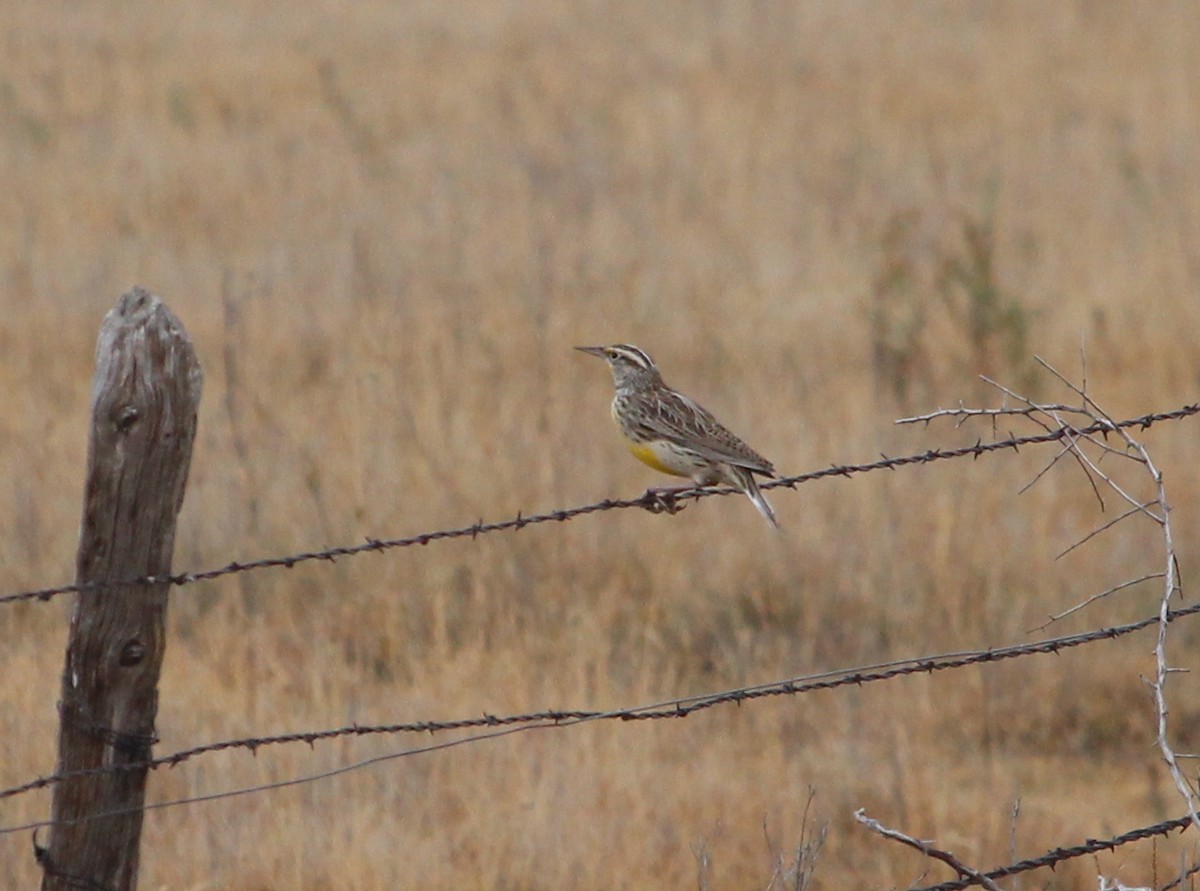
column 125, row 417
column 132, row 653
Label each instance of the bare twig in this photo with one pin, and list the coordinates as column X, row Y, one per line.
column 1113, row 590
column 1070, row 432
column 703, row 855
column 795, row 873
column 1012, row 838
column 1050, row 411
column 963, row 414
column 1118, row 885
column 928, row 849
column 1113, row 522
column 1116, row 487
column 1068, row 449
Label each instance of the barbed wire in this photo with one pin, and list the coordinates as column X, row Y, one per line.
column 652, row 500
column 1058, row 855
column 1184, row 874
column 675, row 708
column 496, row 726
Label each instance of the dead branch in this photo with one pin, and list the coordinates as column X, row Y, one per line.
column 927, row 848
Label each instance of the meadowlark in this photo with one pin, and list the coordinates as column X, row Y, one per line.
column 673, row 434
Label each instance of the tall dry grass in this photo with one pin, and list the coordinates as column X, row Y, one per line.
column 386, row 226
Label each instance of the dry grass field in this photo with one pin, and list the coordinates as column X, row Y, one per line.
column 386, row 224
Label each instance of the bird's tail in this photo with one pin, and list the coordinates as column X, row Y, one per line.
column 743, row 479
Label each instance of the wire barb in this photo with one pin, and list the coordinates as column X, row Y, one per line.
column 1073, row 435
column 521, row 521
column 676, row 708
column 1052, row 858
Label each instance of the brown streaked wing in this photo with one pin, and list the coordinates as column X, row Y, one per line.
column 681, row 420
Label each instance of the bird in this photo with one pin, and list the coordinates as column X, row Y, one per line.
column 674, row 434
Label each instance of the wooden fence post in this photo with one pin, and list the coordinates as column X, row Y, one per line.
column 145, row 395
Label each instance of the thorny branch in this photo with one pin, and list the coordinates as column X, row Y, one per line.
column 963, row 414
column 1093, row 426
column 1171, row 586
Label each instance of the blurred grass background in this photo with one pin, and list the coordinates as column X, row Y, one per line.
column 386, row 225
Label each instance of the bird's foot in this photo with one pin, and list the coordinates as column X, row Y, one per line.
column 664, row 499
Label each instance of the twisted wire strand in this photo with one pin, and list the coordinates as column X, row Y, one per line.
column 650, row 500
column 677, row 708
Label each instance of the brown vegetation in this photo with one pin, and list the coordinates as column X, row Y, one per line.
column 386, row 225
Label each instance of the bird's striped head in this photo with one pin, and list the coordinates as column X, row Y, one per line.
column 631, row 366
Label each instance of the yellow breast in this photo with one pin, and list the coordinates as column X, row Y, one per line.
column 647, row 454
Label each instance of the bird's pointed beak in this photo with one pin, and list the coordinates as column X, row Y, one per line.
column 594, row 351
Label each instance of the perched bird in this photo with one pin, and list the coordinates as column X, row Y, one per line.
column 668, row 431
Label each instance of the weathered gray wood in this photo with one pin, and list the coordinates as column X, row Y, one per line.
column 145, row 395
